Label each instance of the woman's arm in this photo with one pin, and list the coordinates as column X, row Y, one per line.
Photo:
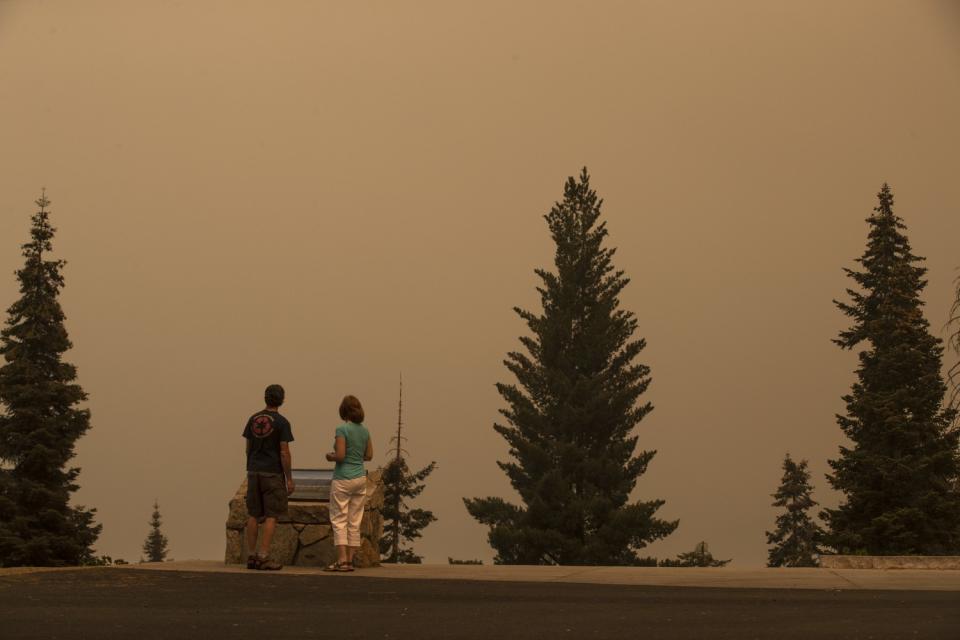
column 339, row 450
column 368, row 454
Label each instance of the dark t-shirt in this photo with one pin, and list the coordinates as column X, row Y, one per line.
column 264, row 432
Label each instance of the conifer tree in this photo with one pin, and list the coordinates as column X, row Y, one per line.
column 155, row 546
column 40, row 420
column 570, row 418
column 699, row 557
column 401, row 524
column 953, row 340
column 897, row 474
column 795, row 540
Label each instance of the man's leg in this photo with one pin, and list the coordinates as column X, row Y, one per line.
column 269, row 525
column 254, row 512
column 251, row 535
column 275, row 507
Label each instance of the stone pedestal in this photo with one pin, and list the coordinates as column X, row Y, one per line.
column 304, row 537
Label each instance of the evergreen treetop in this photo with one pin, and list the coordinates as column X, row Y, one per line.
column 699, row 557
column 570, row 418
column 155, row 546
column 40, row 422
column 794, row 543
column 403, row 525
column 897, row 473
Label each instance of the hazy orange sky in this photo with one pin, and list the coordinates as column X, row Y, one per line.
column 326, row 194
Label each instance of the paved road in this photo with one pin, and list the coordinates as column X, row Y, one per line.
column 726, row 577
column 127, row 603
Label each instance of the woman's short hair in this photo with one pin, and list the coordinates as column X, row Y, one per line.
column 351, row 409
column 273, row 395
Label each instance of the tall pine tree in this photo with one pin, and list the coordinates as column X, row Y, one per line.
column 40, row 422
column 155, row 546
column 570, row 419
column 898, row 474
column 953, row 325
column 794, row 543
column 401, row 524
column 953, row 374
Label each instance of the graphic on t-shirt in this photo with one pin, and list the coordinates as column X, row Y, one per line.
column 262, row 426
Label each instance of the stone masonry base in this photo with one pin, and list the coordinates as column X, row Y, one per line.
column 304, row 537
column 890, row 562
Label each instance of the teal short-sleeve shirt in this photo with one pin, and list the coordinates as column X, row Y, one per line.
column 356, row 437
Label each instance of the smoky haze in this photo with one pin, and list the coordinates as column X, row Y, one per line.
column 326, row 195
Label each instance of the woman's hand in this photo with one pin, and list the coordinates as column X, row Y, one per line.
column 330, row 458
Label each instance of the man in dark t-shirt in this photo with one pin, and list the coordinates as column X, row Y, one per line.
column 268, row 464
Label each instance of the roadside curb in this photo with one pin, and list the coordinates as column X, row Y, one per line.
column 727, row 578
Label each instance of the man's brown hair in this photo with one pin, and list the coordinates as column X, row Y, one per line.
column 351, row 409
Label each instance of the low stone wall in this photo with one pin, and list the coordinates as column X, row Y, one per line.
column 304, row 537
column 890, row 562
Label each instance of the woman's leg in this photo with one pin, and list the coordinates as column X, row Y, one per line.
column 358, row 492
column 339, row 513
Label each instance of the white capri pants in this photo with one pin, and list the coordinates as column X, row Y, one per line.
column 346, row 510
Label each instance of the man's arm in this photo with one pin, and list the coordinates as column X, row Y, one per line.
column 287, row 463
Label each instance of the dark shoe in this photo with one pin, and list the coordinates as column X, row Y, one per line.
column 251, row 562
column 265, row 564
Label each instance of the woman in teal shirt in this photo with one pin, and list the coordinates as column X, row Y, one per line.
column 352, row 446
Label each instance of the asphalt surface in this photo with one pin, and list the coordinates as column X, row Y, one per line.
column 127, row 603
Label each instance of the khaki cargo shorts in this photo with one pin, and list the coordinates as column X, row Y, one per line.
column 266, row 495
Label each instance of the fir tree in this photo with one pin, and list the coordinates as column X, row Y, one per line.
column 570, row 419
column 795, row 540
column 953, row 324
column 401, row 524
column 40, row 422
column 897, row 476
column 155, row 546
column 699, row 557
